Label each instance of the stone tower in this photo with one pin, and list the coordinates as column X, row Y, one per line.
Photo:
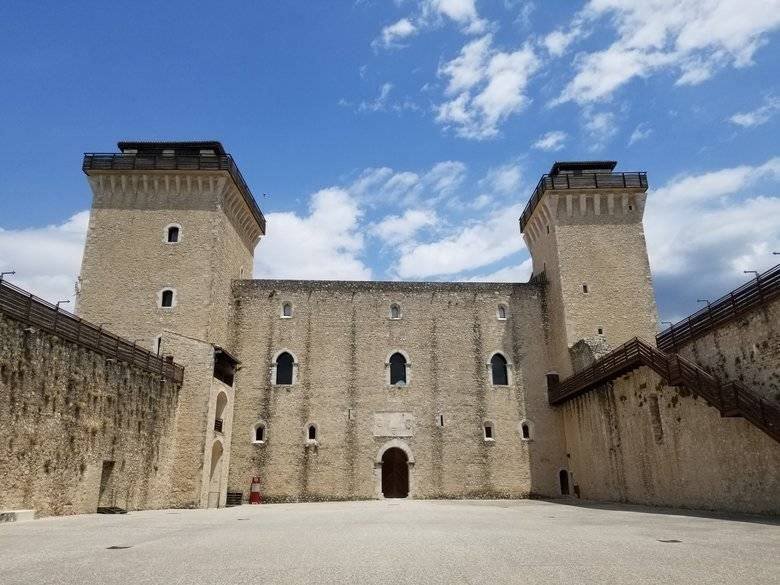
column 583, row 227
column 172, row 225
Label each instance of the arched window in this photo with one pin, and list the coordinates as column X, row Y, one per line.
column 498, row 370
column 172, row 235
column 166, row 298
column 563, row 478
column 311, row 432
column 488, row 428
column 284, row 369
column 259, row 433
column 397, row 369
column 395, row 311
column 501, row 312
column 287, row 310
column 526, row 430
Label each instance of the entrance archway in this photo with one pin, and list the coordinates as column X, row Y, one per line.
column 395, row 473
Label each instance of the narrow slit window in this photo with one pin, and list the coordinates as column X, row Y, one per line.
column 585, row 288
column 525, row 431
column 601, row 331
column 166, row 299
column 441, row 420
column 287, row 310
column 489, row 431
column 395, row 311
column 260, row 434
column 501, row 313
column 173, row 234
column 312, row 433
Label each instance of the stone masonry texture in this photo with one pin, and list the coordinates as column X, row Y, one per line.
column 78, row 430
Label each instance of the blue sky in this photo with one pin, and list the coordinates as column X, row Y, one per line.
column 401, row 139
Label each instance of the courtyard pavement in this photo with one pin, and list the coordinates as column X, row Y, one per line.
column 394, row 541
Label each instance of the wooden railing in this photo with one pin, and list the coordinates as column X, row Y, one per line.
column 755, row 293
column 731, row 399
column 583, row 181
column 154, row 162
column 19, row 305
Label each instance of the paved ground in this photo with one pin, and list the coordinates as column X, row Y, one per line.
column 527, row 542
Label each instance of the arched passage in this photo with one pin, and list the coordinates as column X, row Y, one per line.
column 215, row 476
column 395, row 473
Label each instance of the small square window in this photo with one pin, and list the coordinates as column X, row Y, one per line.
column 489, row 432
column 601, row 331
column 287, row 310
column 395, row 311
column 585, row 288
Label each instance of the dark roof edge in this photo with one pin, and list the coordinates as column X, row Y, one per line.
column 377, row 284
column 165, row 144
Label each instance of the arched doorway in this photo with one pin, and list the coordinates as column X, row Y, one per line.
column 395, row 473
column 215, row 477
column 563, row 478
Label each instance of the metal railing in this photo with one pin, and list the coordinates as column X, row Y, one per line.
column 731, row 399
column 153, row 162
column 19, row 305
column 755, row 293
column 634, row 180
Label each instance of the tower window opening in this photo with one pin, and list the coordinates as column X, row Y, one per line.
column 525, row 431
column 397, row 369
column 260, row 434
column 501, row 313
column 173, row 234
column 311, row 432
column 440, row 419
column 585, row 288
column 498, row 370
column 488, row 426
column 548, row 229
column 287, row 310
column 630, row 207
column 395, row 311
column 284, row 369
column 166, row 298
column 601, row 331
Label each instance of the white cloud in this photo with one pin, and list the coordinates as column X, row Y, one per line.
column 392, row 35
column 600, row 126
column 551, row 141
column 469, row 247
column 505, row 179
column 385, row 186
column 488, row 85
column 695, row 37
column 47, row 259
column 715, row 223
column 462, row 12
column 512, row 273
column 759, row 116
column 380, row 103
column 326, row 244
column 641, row 132
column 399, row 230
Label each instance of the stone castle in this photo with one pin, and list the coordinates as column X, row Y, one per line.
column 321, row 390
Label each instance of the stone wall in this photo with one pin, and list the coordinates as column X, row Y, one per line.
column 341, row 337
column 78, row 430
column 746, row 349
column 637, row 440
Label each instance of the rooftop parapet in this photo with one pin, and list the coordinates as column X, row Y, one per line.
column 581, row 175
column 174, row 156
